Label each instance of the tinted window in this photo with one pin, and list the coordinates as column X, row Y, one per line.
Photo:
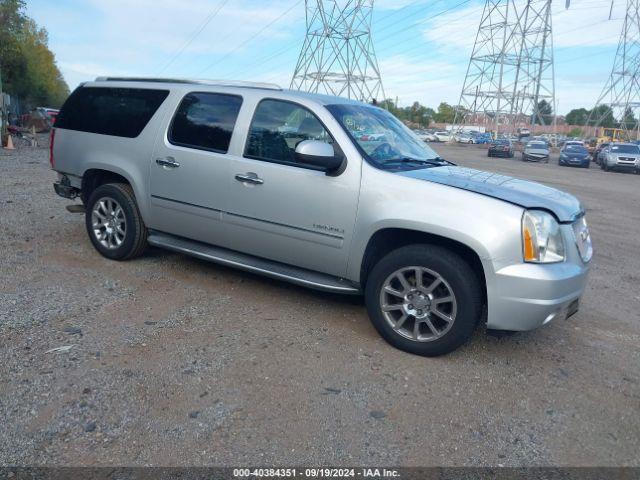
column 277, row 128
column 205, row 121
column 121, row 112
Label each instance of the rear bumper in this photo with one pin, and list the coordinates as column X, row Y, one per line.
column 575, row 163
column 527, row 296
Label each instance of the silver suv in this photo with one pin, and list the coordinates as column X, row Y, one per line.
column 621, row 156
column 323, row 192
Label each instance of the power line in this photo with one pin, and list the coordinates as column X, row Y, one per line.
column 258, row 33
column 195, row 35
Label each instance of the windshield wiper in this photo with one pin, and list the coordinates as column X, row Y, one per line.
column 439, row 161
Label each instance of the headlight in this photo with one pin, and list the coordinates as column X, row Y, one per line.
column 541, row 238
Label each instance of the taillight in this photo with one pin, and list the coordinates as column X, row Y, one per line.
column 52, row 139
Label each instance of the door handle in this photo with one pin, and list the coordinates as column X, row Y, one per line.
column 167, row 162
column 249, row 177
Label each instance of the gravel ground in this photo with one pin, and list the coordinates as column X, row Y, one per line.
column 174, row 361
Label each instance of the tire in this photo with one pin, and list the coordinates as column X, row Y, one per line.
column 459, row 282
column 605, row 167
column 489, row 154
column 133, row 241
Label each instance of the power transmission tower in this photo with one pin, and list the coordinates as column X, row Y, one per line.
column 337, row 56
column 622, row 90
column 511, row 67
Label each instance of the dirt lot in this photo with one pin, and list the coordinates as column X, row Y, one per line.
column 175, row 361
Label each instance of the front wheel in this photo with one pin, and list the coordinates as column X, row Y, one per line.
column 424, row 299
column 114, row 223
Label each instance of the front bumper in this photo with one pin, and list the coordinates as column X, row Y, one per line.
column 624, row 165
column 575, row 162
column 526, row 296
column 536, row 157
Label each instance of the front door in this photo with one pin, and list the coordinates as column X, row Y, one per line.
column 281, row 210
column 189, row 169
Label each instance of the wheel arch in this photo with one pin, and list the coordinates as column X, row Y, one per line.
column 388, row 239
column 95, row 177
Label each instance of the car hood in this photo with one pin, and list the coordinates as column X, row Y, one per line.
column 513, row 190
column 537, row 151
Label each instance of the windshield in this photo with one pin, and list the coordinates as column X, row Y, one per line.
column 536, row 145
column 576, row 149
column 382, row 138
column 625, row 149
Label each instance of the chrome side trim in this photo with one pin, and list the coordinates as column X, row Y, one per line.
column 261, row 266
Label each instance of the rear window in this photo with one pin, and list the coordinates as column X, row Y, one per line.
column 120, row 112
column 205, row 121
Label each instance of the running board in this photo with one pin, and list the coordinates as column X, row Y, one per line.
column 261, row 266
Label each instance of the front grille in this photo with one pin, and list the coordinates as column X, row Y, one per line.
column 583, row 238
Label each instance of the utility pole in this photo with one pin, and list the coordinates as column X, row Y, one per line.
column 337, row 56
column 3, row 113
column 511, row 66
column 622, row 90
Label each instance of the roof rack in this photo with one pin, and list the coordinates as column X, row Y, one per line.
column 217, row 83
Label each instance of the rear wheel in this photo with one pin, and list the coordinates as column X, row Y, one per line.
column 114, row 223
column 424, row 299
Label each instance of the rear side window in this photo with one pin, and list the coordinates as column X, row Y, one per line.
column 120, row 112
column 205, row 121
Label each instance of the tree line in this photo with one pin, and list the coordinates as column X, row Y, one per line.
column 602, row 115
column 420, row 115
column 28, row 68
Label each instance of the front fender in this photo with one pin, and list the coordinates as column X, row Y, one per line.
column 488, row 226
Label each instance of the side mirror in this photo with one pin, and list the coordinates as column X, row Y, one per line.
column 318, row 154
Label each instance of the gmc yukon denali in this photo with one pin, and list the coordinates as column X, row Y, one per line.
column 324, row 192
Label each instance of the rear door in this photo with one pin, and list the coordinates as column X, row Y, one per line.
column 190, row 167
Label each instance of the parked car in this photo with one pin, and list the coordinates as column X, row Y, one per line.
column 49, row 113
column 501, row 148
column 425, row 136
column 482, row 138
column 599, row 151
column 443, row 136
column 204, row 169
column 372, row 137
column 621, row 156
column 536, row 151
column 573, row 155
column 464, row 137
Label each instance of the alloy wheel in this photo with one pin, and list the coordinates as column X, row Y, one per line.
column 109, row 223
column 418, row 303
